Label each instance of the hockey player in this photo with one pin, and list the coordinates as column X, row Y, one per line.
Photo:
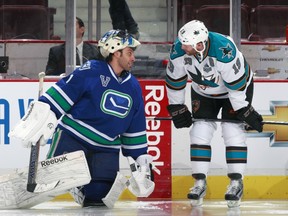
column 221, row 81
column 100, row 110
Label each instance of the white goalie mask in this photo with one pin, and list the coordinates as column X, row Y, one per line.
column 193, row 33
column 115, row 40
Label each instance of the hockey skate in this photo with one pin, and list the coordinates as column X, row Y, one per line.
column 234, row 193
column 197, row 192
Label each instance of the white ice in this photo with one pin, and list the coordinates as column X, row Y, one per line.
column 157, row 208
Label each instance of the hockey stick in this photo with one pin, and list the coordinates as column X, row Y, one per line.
column 121, row 183
column 32, row 186
column 218, row 120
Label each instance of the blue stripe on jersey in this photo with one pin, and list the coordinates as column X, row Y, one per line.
column 240, row 84
column 176, row 84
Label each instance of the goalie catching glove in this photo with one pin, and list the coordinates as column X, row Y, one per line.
column 141, row 182
column 251, row 117
column 181, row 116
column 38, row 124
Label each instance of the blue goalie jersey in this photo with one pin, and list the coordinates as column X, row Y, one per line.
column 101, row 109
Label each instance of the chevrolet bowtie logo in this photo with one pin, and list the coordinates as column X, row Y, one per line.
column 278, row 134
column 271, row 48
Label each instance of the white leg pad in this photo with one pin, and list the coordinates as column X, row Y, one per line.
column 71, row 170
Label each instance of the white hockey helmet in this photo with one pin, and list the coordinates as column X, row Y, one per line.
column 192, row 33
column 115, row 40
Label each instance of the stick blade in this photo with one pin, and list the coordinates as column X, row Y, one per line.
column 116, row 190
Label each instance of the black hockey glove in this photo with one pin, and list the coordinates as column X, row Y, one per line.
column 251, row 117
column 180, row 114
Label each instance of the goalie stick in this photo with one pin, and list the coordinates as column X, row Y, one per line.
column 218, row 120
column 121, row 183
column 32, row 186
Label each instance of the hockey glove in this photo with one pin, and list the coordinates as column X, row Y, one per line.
column 38, row 124
column 251, row 117
column 180, row 114
column 141, row 181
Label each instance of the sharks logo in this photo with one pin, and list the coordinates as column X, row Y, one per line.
column 227, row 51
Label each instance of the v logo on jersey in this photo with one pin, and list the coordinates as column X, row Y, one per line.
column 104, row 80
column 116, row 103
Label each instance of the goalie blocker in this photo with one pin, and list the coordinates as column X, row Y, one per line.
column 71, row 170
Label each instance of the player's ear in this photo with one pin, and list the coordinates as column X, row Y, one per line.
column 118, row 53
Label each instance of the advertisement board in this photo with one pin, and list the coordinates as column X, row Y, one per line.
column 267, row 151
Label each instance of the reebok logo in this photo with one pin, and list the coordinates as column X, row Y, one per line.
column 54, row 161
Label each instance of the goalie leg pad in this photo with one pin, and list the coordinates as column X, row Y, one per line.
column 103, row 166
column 70, row 169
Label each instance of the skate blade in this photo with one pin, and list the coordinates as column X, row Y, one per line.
column 233, row 203
column 195, row 203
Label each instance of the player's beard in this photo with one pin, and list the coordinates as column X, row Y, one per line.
column 125, row 64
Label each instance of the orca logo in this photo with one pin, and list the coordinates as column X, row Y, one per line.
column 116, row 103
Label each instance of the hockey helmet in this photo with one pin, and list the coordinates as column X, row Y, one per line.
column 192, row 33
column 115, row 40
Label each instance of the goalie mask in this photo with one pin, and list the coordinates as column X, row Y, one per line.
column 115, row 40
column 192, row 33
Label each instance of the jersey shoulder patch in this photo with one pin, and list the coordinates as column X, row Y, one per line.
column 222, row 47
column 176, row 50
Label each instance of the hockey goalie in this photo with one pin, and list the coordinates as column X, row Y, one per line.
column 97, row 111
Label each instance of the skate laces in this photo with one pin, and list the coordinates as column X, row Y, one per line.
column 198, row 187
column 234, row 187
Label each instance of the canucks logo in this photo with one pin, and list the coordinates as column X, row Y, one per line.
column 116, row 103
